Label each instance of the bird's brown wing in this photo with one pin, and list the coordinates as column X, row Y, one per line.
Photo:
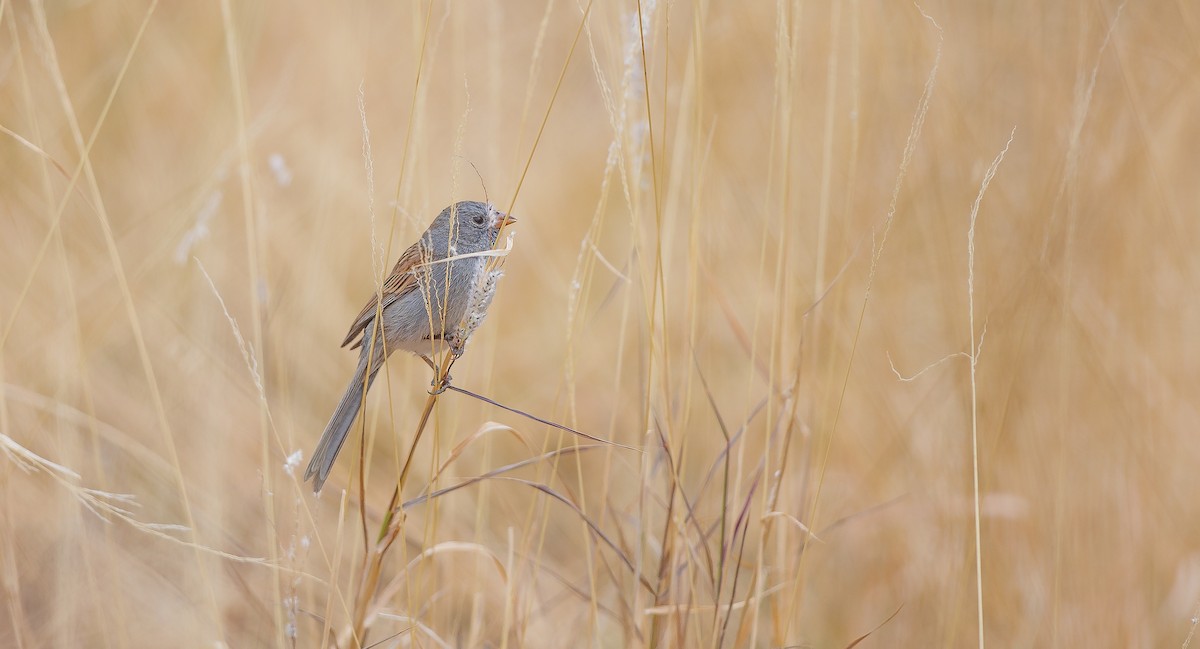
column 401, row 282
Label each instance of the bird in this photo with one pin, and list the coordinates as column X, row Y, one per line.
column 423, row 300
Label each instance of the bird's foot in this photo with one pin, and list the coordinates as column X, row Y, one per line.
column 456, row 344
column 437, row 387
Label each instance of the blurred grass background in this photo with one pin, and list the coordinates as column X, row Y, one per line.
column 660, row 294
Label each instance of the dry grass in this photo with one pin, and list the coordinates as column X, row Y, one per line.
column 745, row 229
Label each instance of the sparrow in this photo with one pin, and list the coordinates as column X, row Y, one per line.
column 423, row 300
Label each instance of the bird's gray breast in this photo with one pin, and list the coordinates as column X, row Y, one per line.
column 452, row 289
column 436, row 305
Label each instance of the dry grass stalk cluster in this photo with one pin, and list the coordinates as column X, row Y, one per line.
column 853, row 362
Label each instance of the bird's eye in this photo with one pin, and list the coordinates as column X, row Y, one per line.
column 479, row 219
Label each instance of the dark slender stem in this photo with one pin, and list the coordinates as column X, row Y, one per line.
column 539, row 419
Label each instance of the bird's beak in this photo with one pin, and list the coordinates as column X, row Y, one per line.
column 505, row 219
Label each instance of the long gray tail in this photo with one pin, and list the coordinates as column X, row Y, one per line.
column 339, row 426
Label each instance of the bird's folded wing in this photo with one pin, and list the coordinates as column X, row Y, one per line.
column 401, row 282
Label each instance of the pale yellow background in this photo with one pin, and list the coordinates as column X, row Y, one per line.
column 661, row 286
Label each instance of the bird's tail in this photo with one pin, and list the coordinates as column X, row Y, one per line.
column 339, row 426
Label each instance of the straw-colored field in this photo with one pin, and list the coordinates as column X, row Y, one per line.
column 897, row 311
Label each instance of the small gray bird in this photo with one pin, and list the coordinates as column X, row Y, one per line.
column 424, row 300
